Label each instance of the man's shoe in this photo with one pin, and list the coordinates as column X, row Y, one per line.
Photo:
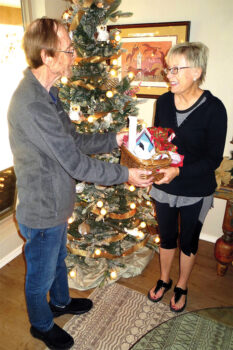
column 56, row 338
column 77, row 306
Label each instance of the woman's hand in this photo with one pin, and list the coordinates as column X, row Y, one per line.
column 120, row 137
column 138, row 177
column 169, row 174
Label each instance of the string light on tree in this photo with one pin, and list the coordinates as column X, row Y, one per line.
column 109, row 94
column 115, row 62
column 71, row 219
column 103, row 211
column 132, row 205
column 90, row 119
column 72, row 274
column 132, row 188
column 143, row 224
column 117, row 36
column 113, row 72
column 140, row 235
column 157, row 239
column 100, row 204
column 131, row 75
column 64, row 80
column 113, row 274
column 97, row 252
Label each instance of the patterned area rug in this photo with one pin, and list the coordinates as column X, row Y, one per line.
column 190, row 331
column 119, row 318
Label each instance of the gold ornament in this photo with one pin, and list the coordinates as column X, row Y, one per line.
column 111, row 83
column 67, row 14
column 223, row 173
column 84, row 228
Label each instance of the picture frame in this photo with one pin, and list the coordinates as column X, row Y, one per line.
column 144, row 49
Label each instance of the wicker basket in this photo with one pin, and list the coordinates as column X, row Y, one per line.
column 131, row 161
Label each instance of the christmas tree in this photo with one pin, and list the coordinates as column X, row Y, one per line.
column 110, row 234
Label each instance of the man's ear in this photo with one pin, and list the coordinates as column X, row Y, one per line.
column 46, row 59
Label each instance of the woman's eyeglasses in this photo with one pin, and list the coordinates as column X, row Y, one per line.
column 174, row 70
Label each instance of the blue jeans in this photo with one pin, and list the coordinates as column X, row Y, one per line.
column 45, row 252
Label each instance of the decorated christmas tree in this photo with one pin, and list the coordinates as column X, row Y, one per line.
column 111, row 233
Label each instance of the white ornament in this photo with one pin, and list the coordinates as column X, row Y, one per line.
column 75, row 112
column 108, row 118
column 103, row 34
column 80, row 187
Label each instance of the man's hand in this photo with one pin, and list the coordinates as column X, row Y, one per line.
column 137, row 177
column 169, row 174
column 120, row 136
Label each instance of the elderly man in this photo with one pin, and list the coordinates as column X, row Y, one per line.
column 49, row 155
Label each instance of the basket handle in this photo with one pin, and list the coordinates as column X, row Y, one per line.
column 161, row 152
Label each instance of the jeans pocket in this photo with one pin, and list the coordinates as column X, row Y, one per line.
column 25, row 231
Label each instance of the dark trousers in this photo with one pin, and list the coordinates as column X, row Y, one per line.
column 183, row 221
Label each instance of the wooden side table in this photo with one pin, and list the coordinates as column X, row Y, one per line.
column 224, row 245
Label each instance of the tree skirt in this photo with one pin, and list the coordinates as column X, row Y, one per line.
column 93, row 272
column 190, row 331
column 119, row 317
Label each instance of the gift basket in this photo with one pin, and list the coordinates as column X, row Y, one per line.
column 150, row 150
column 131, row 161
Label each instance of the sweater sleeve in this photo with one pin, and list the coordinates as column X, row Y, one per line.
column 47, row 131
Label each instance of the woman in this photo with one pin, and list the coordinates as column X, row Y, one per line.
column 199, row 121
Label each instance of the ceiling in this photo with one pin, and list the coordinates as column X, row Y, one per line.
column 10, row 3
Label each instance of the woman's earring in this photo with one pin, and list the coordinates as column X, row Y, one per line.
column 194, row 79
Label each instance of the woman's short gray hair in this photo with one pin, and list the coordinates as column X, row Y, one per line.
column 196, row 54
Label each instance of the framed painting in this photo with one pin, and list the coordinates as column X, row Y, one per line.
column 144, row 50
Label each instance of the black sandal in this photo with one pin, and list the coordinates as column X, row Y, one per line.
column 178, row 293
column 160, row 284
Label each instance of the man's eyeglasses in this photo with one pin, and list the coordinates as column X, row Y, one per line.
column 173, row 70
column 70, row 52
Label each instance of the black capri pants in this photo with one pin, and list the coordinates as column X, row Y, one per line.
column 188, row 224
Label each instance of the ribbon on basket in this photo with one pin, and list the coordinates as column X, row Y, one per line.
column 162, row 140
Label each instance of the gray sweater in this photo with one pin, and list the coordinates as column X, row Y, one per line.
column 49, row 155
